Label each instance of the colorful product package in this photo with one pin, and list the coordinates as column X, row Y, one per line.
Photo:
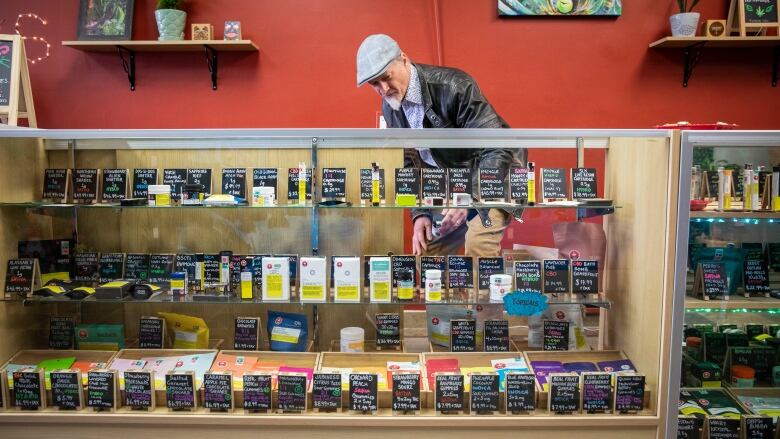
column 567, row 313
column 188, row 332
column 439, row 322
column 543, row 368
column 617, row 366
column 100, row 337
column 287, row 331
column 508, row 365
column 579, row 367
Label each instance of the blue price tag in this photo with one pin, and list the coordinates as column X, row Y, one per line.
column 525, row 303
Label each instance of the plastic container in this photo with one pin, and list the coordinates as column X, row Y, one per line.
column 742, row 376
column 500, row 285
column 352, row 339
column 776, row 376
column 159, row 194
column 433, row 285
column 406, row 285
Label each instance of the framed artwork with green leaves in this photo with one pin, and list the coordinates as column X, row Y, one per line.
column 105, row 20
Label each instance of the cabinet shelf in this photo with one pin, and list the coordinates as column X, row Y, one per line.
column 711, row 212
column 734, row 303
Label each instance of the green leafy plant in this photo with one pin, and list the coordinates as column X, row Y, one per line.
column 174, row 4
column 684, row 5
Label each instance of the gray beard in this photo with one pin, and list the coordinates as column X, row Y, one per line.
column 395, row 104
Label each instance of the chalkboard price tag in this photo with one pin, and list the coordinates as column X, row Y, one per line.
column 176, row 178
column 585, row 277
column 689, row 427
column 756, row 277
column 61, row 332
column 434, row 183
column 28, row 389
column 484, row 392
column 86, row 267
column 583, row 182
column 460, row 272
column 151, row 333
column 724, row 428
column 402, row 263
column 528, row 275
column 556, row 335
column 111, row 266
column 487, row 267
column 518, row 183
column 520, row 392
column 758, row 427
column 553, row 183
column 142, row 178
column 137, row 266
column 556, row 276
column 200, row 176
column 188, row 263
column 449, row 392
column 85, row 185
column 758, row 12
column 773, row 251
column 711, row 279
column 363, row 396
column 218, row 391
column 265, row 177
column 247, row 334
column 292, row 393
column 292, row 183
column 463, row 335
column 21, row 276
column 139, row 393
column 180, row 392
column 114, row 185
column 597, row 392
column 388, row 330
column 326, row 391
column 211, row 269
column 406, row 392
column 496, row 336
column 102, row 389
column 234, row 182
column 432, row 263
column 629, row 393
column 460, row 181
column 407, row 181
column 66, row 389
column 564, row 395
column 491, row 185
column 334, row 183
column 160, row 268
column 257, row 392
column 365, row 184
column 55, row 184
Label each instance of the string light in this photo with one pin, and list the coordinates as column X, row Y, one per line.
column 35, row 37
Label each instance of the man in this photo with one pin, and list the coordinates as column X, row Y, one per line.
column 422, row 96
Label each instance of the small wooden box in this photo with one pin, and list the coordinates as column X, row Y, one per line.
column 715, row 28
column 202, row 31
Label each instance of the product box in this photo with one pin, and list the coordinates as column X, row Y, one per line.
column 380, row 279
column 346, row 279
column 313, row 273
column 276, row 279
column 100, row 337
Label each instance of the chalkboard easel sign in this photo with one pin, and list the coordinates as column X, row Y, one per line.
column 56, row 184
column 86, row 264
column 291, row 395
column 160, row 268
column 406, row 392
column 629, row 393
column 265, row 177
column 553, row 183
column 434, row 183
column 142, row 178
column 293, row 184
column 724, row 428
column 102, row 390
column 758, row 15
column 365, row 185
column 246, row 336
column 114, row 185
column 448, row 394
column 583, row 183
column 200, row 176
column 85, row 185
column 137, row 266
column 710, row 280
column 585, row 277
column 111, row 266
column 326, row 391
column 556, row 335
column 597, row 392
column 520, row 393
column 61, row 332
column 518, row 184
column 564, row 394
column 176, row 178
column 180, row 391
column 756, row 277
column 16, row 100
column 234, row 182
column 758, row 427
column 66, row 389
column 139, row 390
column 460, row 273
column 151, row 333
column 487, row 267
column 463, row 335
column 218, row 391
column 495, row 336
column 29, row 389
column 484, row 394
column 459, row 181
column 22, row 276
column 363, row 395
column 491, row 185
column 334, row 183
column 257, row 392
column 689, row 427
column 556, row 276
column 528, row 275
column 388, row 330
column 407, row 181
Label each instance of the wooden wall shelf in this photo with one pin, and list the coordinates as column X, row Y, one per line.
column 130, row 47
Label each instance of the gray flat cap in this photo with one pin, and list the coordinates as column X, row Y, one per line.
column 374, row 56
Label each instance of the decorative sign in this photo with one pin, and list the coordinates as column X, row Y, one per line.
column 406, row 392
column 85, row 185
column 265, row 177
column 218, row 391
column 487, row 267
column 758, row 427
column 596, row 392
column 525, row 303
column 459, row 181
column 334, row 183
column 257, row 391
column 20, row 275
column 388, row 330
column 160, row 268
column 142, row 178
column 449, row 393
column 188, row 263
column 520, row 392
column 629, row 393
column 556, row 276
column 28, row 392
column 528, row 275
column 689, row 428
column 247, row 334
column 200, row 176
column 102, row 389
column 432, row 263
column 326, row 391
column 583, row 182
column 756, row 277
column 365, row 184
column 363, row 396
column 407, row 181
column 434, row 183
column 7, row 78
column 463, row 335
column 518, row 183
column 711, row 279
column 564, row 394
column 114, row 184
column 66, row 389
column 139, row 392
column 724, row 428
column 491, row 185
column 556, row 335
column 585, row 277
column 176, row 178
column 403, row 262
column 55, row 181
column 496, row 336
column 460, row 272
column 234, row 182
column 151, row 333
column 292, row 183
column 180, row 391
column 760, row 11
column 111, row 266
column 61, row 332
column 553, row 183
column 484, row 392
column 137, row 266
column 292, row 392
column 86, row 267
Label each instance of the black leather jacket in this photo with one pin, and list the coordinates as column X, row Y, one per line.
column 452, row 99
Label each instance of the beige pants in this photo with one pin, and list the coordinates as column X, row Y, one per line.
column 480, row 241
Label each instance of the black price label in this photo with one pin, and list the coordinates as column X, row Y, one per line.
column 326, row 391
column 463, row 335
column 773, row 250
column 111, row 266
column 234, row 182
column 487, row 267
column 460, row 272
column 715, row 347
column 388, row 330
column 553, row 183
column 520, row 392
column 218, row 391
column 754, row 329
column 151, row 333
column 401, row 263
column 585, row 277
column 292, row 183
column 292, row 393
column 407, row 181
column 556, row 335
column 189, row 264
column 754, row 251
column 101, row 389
column 363, row 396
column 160, row 268
column 564, row 394
column 556, row 276
column 496, row 336
column 759, row 427
column 365, row 184
column 406, row 391
column 491, row 184
column 85, row 184
column 689, row 428
column 434, row 183
column 86, row 267
column 142, row 178
column 713, row 275
column 583, row 181
column 19, row 276
column 66, row 390
column 756, row 276
column 257, row 391
column 211, row 269
column 724, row 428
column 180, row 391
column 459, row 180
column 432, row 263
column 55, row 183
column 176, row 178
column 138, row 389
column 596, row 392
column 760, row 358
column 334, row 183
column 484, row 392
column 265, row 177
column 629, row 393
column 449, row 393
column 137, row 266
column 28, row 390
column 528, row 275
column 760, row 11
column 61, row 332
column 114, row 184
column 518, row 183
column 200, row 176
column 247, row 333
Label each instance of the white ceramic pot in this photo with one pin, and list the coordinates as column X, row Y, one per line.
column 685, row 24
column 170, row 23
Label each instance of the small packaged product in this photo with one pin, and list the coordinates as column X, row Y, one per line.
column 287, row 331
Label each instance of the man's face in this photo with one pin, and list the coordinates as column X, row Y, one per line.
column 392, row 84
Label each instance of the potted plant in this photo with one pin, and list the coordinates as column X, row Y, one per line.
column 170, row 19
column 685, row 23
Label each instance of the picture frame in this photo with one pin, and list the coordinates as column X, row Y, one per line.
column 105, row 20
column 559, row 8
column 232, row 31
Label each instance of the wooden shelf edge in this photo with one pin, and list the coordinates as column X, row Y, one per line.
column 678, row 42
column 155, row 45
column 728, row 215
column 736, row 302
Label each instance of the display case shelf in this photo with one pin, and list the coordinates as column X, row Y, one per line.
column 734, row 303
column 736, row 213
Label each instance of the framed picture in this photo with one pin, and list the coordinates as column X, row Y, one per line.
column 232, row 30
column 105, row 20
column 602, row 8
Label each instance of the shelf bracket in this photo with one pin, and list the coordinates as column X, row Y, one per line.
column 691, row 58
column 212, row 59
column 775, row 62
column 128, row 64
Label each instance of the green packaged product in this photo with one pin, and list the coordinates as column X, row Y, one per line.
column 100, row 337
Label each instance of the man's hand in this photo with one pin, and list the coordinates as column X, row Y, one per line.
column 453, row 218
column 421, row 235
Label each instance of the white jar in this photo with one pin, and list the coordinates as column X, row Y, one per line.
column 352, row 339
column 433, row 285
column 500, row 285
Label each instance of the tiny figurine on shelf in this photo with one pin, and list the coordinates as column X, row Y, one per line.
column 202, row 31
column 232, row 30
